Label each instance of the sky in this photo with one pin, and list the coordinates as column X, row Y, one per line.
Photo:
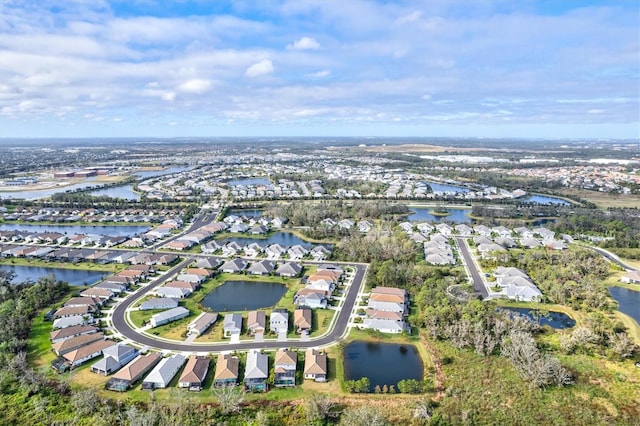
column 424, row 68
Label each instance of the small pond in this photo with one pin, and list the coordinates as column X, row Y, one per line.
column 124, row 192
column 244, row 295
column 446, row 188
column 628, row 301
column 111, row 231
column 422, row 214
column 553, row 319
column 382, row 363
column 246, row 212
column 543, row 199
column 75, row 277
column 285, row 239
column 250, row 182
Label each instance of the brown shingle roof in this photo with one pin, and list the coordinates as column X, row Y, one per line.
column 136, row 368
column 87, row 350
column 315, row 362
column 196, row 369
column 227, row 367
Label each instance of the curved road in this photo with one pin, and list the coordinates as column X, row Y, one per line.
column 613, row 258
column 336, row 333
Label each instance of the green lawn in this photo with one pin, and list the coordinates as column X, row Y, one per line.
column 88, row 266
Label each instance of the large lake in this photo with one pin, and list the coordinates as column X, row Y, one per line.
column 124, row 192
column 286, row 239
column 75, row 277
column 628, row 301
column 544, row 199
column 553, row 319
column 382, row 363
column 111, row 231
column 244, row 295
column 424, row 214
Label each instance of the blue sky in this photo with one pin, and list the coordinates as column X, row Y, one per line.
column 485, row 68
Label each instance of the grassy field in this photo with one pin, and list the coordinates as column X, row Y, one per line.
column 87, row 266
column 488, row 390
column 604, row 199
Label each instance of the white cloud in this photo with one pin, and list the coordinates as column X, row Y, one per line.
column 168, row 96
column 319, row 74
column 305, row 43
column 197, row 86
column 264, row 67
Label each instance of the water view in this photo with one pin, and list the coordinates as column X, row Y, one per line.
column 75, row 277
column 553, row 319
column 423, row 214
column 543, row 199
column 382, row 363
column 109, row 230
column 446, row 188
column 124, row 192
column 628, row 301
column 244, row 295
column 286, row 239
column 247, row 212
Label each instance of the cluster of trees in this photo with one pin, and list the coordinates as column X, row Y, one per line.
column 19, row 303
column 310, row 214
column 475, row 325
column 620, row 225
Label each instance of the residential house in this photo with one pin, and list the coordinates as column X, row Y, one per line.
column 232, row 324
column 226, row 373
column 72, row 321
column 163, row 372
column 233, row 266
column 263, row 267
column 101, row 293
column 114, row 358
column 168, row 316
column 195, row 373
column 159, row 303
column 315, row 365
column 256, row 371
column 275, row 251
column 256, row 322
column 505, row 242
column 632, row 277
column 253, row 250
column 279, row 321
column 87, row 352
column 68, row 345
column 202, row 323
column 463, row 230
column 388, row 299
column 297, row 252
column 284, row 368
column 320, row 253
column 172, row 292
column 302, row 320
column 68, row 311
column 128, row 375
column 311, row 298
column 209, row 263
column 289, row 269
column 69, row 332
column 191, row 286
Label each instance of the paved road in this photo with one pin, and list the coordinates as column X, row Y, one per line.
column 615, row 259
column 478, row 281
column 336, row 333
